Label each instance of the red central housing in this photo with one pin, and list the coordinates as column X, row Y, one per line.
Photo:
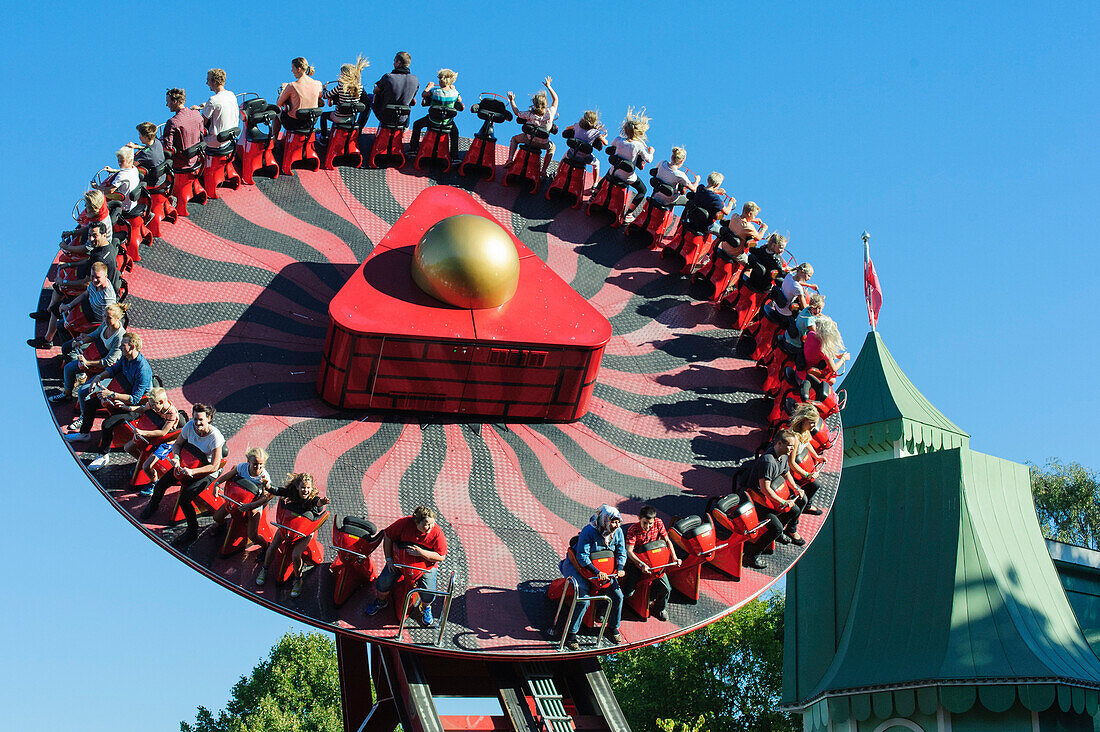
column 392, row 346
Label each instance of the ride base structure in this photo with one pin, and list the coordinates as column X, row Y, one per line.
column 293, row 306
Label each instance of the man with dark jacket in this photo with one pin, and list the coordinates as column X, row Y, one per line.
column 397, row 87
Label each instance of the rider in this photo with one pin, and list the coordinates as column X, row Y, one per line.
column 541, row 114
column 397, row 87
column 254, row 469
column 444, row 96
column 347, row 90
column 604, row 531
column 299, row 496
column 668, row 172
column 134, row 373
column 420, row 536
column 302, row 93
column 221, row 111
column 630, row 146
column 649, row 528
column 588, row 129
column 207, row 440
column 770, row 472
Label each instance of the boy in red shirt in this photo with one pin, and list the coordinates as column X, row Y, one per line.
column 418, row 540
column 649, row 528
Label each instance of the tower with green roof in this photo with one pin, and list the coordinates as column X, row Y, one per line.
column 929, row 600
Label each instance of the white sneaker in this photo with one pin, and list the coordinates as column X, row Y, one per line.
column 78, row 436
column 100, row 461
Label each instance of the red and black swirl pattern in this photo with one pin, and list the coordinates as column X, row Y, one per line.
column 232, row 304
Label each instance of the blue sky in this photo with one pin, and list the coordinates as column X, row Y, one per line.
column 962, row 138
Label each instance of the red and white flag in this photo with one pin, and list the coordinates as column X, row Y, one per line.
column 872, row 290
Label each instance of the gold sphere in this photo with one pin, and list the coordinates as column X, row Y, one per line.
column 467, row 261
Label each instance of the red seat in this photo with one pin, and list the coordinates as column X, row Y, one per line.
column 298, row 144
column 236, row 494
column 220, row 169
column 651, row 223
column 698, row 542
column 295, row 527
column 526, row 167
column 739, row 519
column 480, row 159
column 388, row 148
column 612, row 194
column 604, row 561
column 658, row 557
column 435, row 146
column 354, row 540
column 257, row 147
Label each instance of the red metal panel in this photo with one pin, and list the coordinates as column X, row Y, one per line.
column 414, row 352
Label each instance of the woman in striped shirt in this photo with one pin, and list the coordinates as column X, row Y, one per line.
column 346, row 92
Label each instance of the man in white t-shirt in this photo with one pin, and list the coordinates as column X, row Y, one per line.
column 221, row 111
column 203, row 443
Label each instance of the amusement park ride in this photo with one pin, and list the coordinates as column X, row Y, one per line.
column 422, row 335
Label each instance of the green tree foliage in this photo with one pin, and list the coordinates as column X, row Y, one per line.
column 296, row 689
column 730, row 673
column 1067, row 501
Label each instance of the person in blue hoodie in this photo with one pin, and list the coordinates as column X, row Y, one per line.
column 604, row 531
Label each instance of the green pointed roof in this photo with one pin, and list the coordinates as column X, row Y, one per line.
column 884, row 406
column 935, row 588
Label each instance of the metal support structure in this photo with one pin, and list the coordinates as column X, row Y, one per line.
column 542, row 696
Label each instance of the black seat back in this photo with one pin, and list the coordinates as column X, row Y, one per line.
column 228, row 140
column 579, row 147
column 535, row 132
column 305, row 120
column 156, row 178
column 190, row 159
column 440, row 117
column 358, row 527
column 399, row 116
column 619, row 163
column 725, row 504
column 492, row 111
column 350, row 113
column 697, row 219
column 684, row 526
column 258, row 115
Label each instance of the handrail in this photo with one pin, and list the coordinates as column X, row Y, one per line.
column 572, row 582
column 448, row 594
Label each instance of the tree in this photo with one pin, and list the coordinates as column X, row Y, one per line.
column 296, row 689
column 730, row 673
column 1067, row 501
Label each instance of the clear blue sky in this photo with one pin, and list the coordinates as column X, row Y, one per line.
column 963, row 139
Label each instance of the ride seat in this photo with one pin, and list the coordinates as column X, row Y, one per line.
column 228, row 138
column 492, row 111
column 358, row 527
column 258, row 116
column 580, row 148
column 350, row 112
column 401, row 114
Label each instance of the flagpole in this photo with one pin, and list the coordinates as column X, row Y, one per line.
column 866, row 261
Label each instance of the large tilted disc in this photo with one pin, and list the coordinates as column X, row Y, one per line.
column 467, row 261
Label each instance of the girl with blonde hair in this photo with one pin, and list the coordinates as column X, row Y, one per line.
column 631, row 146
column 299, row 496
column 347, row 91
column 541, row 114
column 587, row 129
